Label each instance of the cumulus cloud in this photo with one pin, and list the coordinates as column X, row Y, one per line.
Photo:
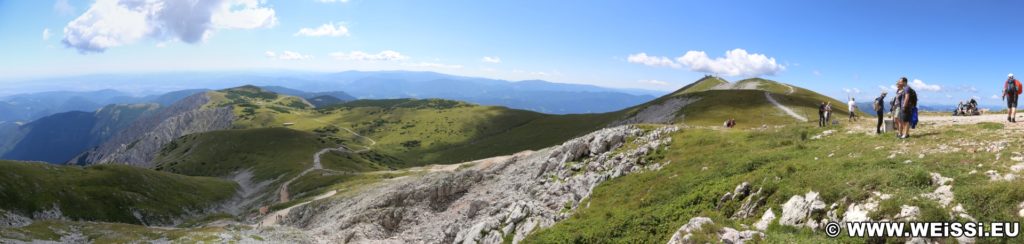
column 113, row 23
column 329, row 29
column 287, row 55
column 493, row 60
column 46, row 34
column 434, row 65
column 386, row 55
column 643, row 58
column 920, row 85
column 736, row 62
column 655, row 82
column 853, row 91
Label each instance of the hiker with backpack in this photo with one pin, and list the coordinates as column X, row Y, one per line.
column 879, row 107
column 907, row 108
column 1011, row 91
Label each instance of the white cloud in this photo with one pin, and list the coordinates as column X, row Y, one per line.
column 656, row 82
column 46, row 34
column 736, row 62
column 62, row 7
column 332, row 1
column 920, row 85
column 493, row 60
column 434, row 65
column 287, row 55
column 642, row 58
column 386, row 55
column 329, row 29
column 816, row 73
column 997, row 97
column 853, row 91
column 113, row 23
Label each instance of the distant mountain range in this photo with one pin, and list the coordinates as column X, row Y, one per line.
column 32, row 106
column 59, row 137
column 535, row 95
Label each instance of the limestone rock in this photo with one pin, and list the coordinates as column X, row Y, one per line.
column 730, row 235
column 683, row 234
column 766, row 220
column 9, row 219
column 798, row 209
column 908, row 213
column 492, row 198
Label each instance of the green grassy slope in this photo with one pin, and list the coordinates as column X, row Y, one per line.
column 705, row 164
column 410, row 132
column 98, row 232
column 268, row 152
column 106, row 192
column 704, row 84
column 748, row 106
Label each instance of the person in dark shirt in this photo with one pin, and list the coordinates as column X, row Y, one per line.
column 880, row 111
column 821, row 115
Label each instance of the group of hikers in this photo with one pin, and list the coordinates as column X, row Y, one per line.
column 903, row 107
column 825, row 112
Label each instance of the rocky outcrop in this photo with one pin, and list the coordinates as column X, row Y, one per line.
column 9, row 219
column 725, row 234
column 485, row 202
column 666, row 112
column 139, row 143
column 765, row 220
column 800, row 210
column 686, row 231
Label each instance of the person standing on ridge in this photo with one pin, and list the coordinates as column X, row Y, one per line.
column 1011, row 91
column 879, row 107
column 894, row 110
column 821, row 115
column 907, row 106
column 852, row 107
column 828, row 114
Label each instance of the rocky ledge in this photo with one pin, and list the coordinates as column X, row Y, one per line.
column 484, row 201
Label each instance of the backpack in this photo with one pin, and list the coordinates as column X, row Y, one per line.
column 1011, row 87
column 878, row 104
column 912, row 102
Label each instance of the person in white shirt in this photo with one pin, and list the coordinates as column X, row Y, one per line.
column 853, row 109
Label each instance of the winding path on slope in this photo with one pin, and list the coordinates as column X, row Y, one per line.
column 791, row 90
column 789, row 111
column 276, row 216
column 283, row 192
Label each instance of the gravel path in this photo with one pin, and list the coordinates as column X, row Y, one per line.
column 944, row 120
column 283, row 193
column 784, row 108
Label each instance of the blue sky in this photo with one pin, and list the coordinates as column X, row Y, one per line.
column 957, row 49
